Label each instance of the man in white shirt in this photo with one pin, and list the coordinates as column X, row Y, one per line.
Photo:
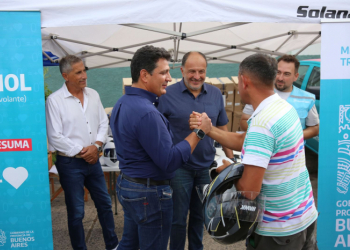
column 302, row 101
column 76, row 128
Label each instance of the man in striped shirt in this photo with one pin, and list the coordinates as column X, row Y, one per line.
column 274, row 160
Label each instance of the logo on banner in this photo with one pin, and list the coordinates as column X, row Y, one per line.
column 15, row 176
column 16, row 145
column 303, row 11
column 2, row 238
column 343, row 173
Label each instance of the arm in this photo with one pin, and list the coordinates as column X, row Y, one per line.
column 227, row 139
column 90, row 153
column 310, row 132
column 205, row 126
column 251, row 179
column 243, row 122
column 312, row 124
column 54, row 131
column 158, row 144
column 228, row 152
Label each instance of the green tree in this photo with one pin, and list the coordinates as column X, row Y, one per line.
column 46, row 87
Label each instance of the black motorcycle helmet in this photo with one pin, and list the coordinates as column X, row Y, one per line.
column 230, row 215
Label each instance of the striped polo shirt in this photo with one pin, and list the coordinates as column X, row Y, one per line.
column 274, row 141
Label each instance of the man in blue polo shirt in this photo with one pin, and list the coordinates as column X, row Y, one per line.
column 192, row 94
column 147, row 155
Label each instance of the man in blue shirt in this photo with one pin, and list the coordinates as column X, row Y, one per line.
column 192, row 94
column 147, row 155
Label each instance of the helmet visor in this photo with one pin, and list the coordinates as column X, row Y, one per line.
column 241, row 206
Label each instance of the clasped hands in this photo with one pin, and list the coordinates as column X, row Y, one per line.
column 89, row 154
column 200, row 121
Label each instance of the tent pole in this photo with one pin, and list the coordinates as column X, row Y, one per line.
column 264, row 39
column 211, row 43
column 216, row 51
column 178, row 43
column 174, row 45
column 59, row 45
column 144, row 27
column 307, row 45
column 84, row 43
column 232, row 54
column 261, row 51
column 285, row 41
column 95, row 54
column 221, row 27
column 148, row 42
column 126, row 51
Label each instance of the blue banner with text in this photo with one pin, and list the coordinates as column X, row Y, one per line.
column 333, row 228
column 25, row 211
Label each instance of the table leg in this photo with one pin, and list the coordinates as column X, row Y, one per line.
column 115, row 192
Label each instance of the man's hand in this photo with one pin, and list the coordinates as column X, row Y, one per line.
column 195, row 120
column 222, row 167
column 89, row 154
column 205, row 123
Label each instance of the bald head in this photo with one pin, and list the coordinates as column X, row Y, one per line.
column 194, row 69
column 193, row 53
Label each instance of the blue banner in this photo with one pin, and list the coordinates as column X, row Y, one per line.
column 333, row 229
column 25, row 211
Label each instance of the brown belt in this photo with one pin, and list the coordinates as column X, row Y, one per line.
column 63, row 154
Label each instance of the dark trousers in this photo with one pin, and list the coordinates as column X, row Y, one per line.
column 304, row 240
column 75, row 173
column 148, row 211
column 187, row 200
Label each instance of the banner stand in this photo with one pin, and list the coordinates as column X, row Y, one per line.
column 333, row 226
column 25, row 209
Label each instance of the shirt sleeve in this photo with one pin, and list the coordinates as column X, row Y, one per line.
column 312, row 117
column 155, row 138
column 258, row 146
column 103, row 126
column 248, row 109
column 54, row 131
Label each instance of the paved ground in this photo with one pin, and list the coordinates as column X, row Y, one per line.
column 93, row 231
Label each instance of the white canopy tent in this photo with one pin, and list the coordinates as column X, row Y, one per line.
column 113, row 45
column 105, row 32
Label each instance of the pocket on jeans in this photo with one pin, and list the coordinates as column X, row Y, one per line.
column 167, row 193
column 136, row 206
column 64, row 160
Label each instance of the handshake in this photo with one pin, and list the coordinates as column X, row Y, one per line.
column 200, row 121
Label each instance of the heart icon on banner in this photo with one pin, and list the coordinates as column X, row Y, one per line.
column 15, row 176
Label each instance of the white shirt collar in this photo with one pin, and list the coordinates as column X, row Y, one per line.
column 66, row 92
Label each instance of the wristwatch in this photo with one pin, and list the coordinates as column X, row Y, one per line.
column 99, row 148
column 200, row 133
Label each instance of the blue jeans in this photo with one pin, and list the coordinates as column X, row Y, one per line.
column 74, row 175
column 148, row 212
column 185, row 198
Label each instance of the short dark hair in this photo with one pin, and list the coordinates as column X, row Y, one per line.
column 260, row 67
column 146, row 58
column 290, row 59
column 185, row 57
column 67, row 62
